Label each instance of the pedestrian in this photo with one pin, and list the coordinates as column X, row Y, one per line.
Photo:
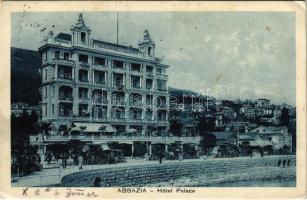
column 279, row 163
column 80, row 162
column 284, row 163
column 261, row 152
column 160, row 157
column 61, row 163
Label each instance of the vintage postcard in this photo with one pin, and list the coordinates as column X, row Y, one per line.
column 155, row 100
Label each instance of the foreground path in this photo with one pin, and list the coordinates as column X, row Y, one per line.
column 53, row 176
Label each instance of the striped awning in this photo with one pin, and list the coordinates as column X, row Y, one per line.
column 96, row 127
column 104, row 147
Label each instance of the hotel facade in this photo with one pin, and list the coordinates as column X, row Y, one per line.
column 100, row 92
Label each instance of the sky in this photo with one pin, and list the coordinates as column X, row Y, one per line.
column 228, row 55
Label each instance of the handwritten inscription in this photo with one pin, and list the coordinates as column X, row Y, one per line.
column 67, row 193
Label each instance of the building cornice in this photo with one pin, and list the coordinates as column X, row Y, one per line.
column 98, row 51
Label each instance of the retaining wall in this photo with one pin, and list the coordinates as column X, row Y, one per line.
column 142, row 175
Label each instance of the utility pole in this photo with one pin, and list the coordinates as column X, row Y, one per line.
column 117, row 26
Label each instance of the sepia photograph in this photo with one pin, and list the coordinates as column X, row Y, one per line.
column 153, row 101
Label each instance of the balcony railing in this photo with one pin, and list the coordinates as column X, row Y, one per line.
column 82, row 118
column 120, row 138
column 84, row 64
column 162, row 76
column 63, row 78
column 60, row 61
column 66, row 98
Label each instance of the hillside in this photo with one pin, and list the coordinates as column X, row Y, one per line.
column 25, row 77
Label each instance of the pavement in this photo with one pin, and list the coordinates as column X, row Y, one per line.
column 52, row 176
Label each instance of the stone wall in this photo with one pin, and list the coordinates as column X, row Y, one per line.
column 142, row 175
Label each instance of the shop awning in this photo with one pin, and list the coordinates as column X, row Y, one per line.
column 77, row 128
column 108, row 128
column 132, row 130
column 96, row 127
column 104, row 147
column 260, row 143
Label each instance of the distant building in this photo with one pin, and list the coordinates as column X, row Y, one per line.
column 18, row 108
column 263, row 103
column 277, row 136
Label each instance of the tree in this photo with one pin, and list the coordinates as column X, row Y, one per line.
column 204, row 127
column 208, row 141
column 284, row 117
column 175, row 127
column 205, row 124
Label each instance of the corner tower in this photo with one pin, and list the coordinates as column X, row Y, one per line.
column 80, row 33
column 147, row 46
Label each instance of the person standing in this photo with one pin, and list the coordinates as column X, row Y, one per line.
column 80, row 162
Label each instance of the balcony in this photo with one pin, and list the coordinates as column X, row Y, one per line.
column 65, row 117
column 97, row 139
column 118, row 119
column 99, row 119
column 82, row 118
column 84, row 64
column 59, row 61
column 162, row 76
column 66, row 98
column 100, row 83
column 162, row 122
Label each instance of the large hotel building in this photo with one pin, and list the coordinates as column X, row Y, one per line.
column 103, row 89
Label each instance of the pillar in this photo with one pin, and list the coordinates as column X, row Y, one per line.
column 149, row 148
column 144, row 130
column 181, row 147
column 56, row 72
column 166, row 147
column 127, row 107
column 109, row 107
column 132, row 149
column 42, row 151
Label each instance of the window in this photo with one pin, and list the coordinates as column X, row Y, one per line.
column 99, row 61
column 118, row 64
column 83, row 111
column 45, row 110
column 149, row 69
column 83, row 58
column 149, row 115
column 52, row 109
column 149, row 50
column 99, row 77
column 149, row 100
column 161, row 85
column 57, row 55
column 46, row 74
column 66, row 56
column 52, row 91
column 83, row 75
column 149, row 84
column 159, row 71
column 45, row 92
column 135, row 67
column 83, row 93
column 83, row 36
column 118, row 79
column 67, row 74
column 135, row 81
